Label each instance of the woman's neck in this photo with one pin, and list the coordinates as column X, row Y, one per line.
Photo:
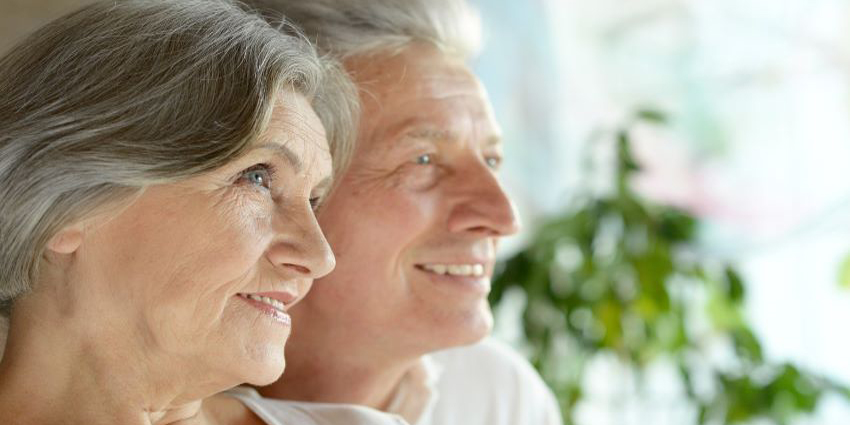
column 52, row 374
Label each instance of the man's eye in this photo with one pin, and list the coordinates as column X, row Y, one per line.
column 259, row 175
column 424, row 159
column 493, row 162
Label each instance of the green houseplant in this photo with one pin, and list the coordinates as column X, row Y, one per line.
column 616, row 274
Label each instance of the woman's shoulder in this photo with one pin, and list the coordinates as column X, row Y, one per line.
column 283, row 412
column 223, row 409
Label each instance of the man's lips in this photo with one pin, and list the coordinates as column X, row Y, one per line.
column 469, row 277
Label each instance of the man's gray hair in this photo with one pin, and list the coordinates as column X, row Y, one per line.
column 120, row 95
column 347, row 28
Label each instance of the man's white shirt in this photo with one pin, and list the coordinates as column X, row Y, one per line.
column 488, row 384
column 482, row 384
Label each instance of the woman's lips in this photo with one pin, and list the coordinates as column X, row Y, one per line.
column 272, row 307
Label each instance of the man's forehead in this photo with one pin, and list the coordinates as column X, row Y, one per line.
column 417, row 71
column 440, row 135
column 423, row 91
column 445, row 125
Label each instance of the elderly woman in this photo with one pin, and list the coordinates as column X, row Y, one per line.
column 161, row 162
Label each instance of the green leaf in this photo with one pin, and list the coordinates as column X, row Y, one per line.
column 747, row 345
column 677, row 226
column 626, row 161
column 734, row 285
column 652, row 115
column 844, row 273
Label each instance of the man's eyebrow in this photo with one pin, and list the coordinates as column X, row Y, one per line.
column 432, row 134
column 494, row 140
column 446, row 135
column 285, row 153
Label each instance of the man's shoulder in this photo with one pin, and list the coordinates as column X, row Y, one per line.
column 490, row 358
column 489, row 383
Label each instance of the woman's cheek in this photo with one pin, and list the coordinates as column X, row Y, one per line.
column 252, row 214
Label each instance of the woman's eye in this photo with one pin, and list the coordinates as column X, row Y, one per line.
column 258, row 175
column 315, row 203
column 424, row 159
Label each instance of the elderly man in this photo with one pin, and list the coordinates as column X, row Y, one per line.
column 414, row 224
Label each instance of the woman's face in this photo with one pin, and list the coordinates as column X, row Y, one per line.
column 179, row 273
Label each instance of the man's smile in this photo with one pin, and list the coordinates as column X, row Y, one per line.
column 475, row 269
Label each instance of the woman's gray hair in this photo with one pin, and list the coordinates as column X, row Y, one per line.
column 347, row 28
column 121, row 95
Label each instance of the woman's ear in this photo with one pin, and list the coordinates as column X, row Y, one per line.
column 67, row 240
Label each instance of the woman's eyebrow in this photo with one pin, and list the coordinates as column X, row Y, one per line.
column 285, row 153
column 325, row 183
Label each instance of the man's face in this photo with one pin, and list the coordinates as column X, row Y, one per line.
column 415, row 220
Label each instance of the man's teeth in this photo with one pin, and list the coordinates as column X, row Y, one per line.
column 270, row 301
column 456, row 269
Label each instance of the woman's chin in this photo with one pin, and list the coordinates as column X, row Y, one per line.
column 266, row 365
column 260, row 359
column 267, row 376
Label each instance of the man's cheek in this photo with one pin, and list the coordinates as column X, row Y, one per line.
column 408, row 210
column 417, row 178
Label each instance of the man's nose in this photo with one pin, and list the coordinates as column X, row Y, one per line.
column 299, row 249
column 483, row 208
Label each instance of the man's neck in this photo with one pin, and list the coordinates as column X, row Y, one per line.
column 324, row 373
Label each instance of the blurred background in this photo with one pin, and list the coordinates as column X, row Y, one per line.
column 735, row 114
column 681, row 169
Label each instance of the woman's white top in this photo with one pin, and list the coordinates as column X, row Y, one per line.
column 280, row 412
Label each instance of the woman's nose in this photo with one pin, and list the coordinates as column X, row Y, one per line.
column 300, row 248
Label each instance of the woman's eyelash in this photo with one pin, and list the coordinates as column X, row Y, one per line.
column 260, row 175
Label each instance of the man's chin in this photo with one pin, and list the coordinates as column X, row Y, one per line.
column 467, row 328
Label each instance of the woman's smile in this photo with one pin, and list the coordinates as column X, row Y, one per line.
column 273, row 304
